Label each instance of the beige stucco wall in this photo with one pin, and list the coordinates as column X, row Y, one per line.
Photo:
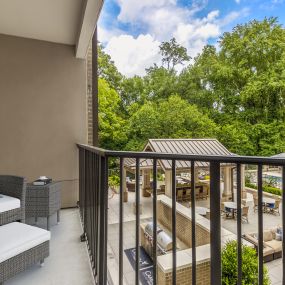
column 42, row 111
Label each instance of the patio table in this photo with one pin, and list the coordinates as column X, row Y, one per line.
column 268, row 203
column 268, row 200
column 43, row 201
column 231, row 206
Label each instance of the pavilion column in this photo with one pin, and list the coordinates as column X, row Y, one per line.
column 146, row 182
column 227, row 183
column 243, row 191
column 168, row 183
column 125, row 190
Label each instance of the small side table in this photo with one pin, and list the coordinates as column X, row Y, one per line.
column 43, row 201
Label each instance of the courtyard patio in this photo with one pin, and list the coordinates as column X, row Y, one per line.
column 269, row 221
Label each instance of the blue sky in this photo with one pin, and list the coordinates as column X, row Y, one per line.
column 132, row 30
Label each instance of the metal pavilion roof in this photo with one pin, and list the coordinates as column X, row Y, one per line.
column 180, row 146
column 279, row 155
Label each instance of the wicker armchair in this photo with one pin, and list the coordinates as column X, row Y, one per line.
column 13, row 186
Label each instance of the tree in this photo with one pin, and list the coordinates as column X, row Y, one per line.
column 195, row 83
column 236, row 138
column 107, row 69
column 132, row 91
column 173, row 53
column 255, row 54
column 249, row 265
column 112, row 134
column 172, row 118
column 160, row 83
column 268, row 139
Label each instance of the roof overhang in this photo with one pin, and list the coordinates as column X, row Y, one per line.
column 70, row 22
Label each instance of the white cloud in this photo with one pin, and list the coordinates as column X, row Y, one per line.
column 132, row 55
column 132, row 10
column 106, row 35
column 162, row 20
column 237, row 1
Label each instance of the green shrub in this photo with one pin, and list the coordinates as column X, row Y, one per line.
column 249, row 265
column 268, row 189
column 114, row 180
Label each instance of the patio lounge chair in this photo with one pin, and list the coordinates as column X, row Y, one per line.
column 12, row 199
column 272, row 248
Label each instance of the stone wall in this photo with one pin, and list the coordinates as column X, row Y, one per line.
column 184, row 275
column 183, row 226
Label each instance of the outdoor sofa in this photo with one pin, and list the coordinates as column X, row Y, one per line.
column 272, row 245
column 21, row 246
column 12, row 199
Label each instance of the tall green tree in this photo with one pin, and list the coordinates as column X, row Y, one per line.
column 255, row 52
column 112, row 134
column 172, row 118
column 173, row 54
column 107, row 69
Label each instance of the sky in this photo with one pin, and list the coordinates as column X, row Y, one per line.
column 132, row 30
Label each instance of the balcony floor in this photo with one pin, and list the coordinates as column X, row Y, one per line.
column 68, row 263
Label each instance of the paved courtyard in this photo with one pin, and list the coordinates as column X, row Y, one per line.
column 270, row 221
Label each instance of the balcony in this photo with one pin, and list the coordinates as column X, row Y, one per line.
column 110, row 227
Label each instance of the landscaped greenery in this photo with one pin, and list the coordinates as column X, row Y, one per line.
column 235, row 93
column 249, row 265
column 268, row 189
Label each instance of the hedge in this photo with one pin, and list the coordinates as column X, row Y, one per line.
column 268, row 189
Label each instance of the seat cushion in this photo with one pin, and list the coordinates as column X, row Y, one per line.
column 267, row 250
column 8, row 203
column 16, row 238
column 267, row 236
column 275, row 244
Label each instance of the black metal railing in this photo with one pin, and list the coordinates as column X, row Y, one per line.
column 93, row 202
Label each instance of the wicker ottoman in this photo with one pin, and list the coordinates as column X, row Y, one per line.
column 21, row 246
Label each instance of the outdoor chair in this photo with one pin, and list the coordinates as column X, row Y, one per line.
column 187, row 196
column 255, row 201
column 203, row 193
column 244, row 213
column 179, row 195
column 227, row 214
column 223, row 210
column 12, row 199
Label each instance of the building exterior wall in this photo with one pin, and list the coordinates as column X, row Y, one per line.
column 42, row 111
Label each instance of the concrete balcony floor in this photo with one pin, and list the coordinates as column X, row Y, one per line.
column 68, row 263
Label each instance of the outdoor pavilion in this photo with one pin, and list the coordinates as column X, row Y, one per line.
column 183, row 146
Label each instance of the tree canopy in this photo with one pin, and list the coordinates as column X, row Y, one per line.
column 235, row 93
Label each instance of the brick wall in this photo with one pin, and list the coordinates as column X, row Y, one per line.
column 184, row 275
column 183, row 226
